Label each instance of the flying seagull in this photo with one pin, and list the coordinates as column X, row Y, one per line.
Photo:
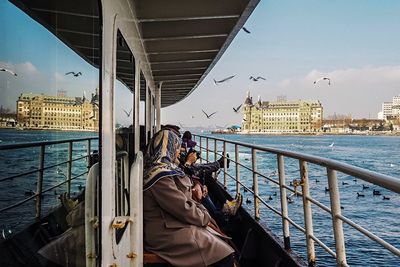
column 9, row 71
column 128, row 113
column 76, row 74
column 237, row 109
column 323, row 78
column 255, row 79
column 223, row 80
column 208, row 116
column 246, row 30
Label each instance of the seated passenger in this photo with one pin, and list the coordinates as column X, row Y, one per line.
column 175, row 225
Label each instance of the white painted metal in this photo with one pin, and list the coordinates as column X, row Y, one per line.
column 136, row 212
column 255, row 184
column 91, row 221
column 336, row 222
column 237, row 169
column 307, row 213
column 284, row 207
column 137, row 106
column 225, row 163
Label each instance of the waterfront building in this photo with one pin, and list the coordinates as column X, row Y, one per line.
column 39, row 111
column 282, row 116
column 390, row 109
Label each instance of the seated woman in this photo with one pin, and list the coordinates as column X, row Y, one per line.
column 175, row 225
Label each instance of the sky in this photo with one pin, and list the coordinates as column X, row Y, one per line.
column 292, row 43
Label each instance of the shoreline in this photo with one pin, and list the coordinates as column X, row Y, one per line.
column 312, row 134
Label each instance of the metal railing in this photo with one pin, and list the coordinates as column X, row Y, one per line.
column 332, row 167
column 37, row 195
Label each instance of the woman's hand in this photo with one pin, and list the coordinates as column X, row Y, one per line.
column 191, row 158
column 197, row 193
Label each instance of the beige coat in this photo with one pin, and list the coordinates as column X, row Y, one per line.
column 174, row 225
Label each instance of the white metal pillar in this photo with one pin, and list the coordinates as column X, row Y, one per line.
column 158, row 107
column 137, row 105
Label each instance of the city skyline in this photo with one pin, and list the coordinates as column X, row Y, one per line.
column 291, row 44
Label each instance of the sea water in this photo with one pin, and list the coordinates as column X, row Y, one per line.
column 381, row 217
column 376, row 153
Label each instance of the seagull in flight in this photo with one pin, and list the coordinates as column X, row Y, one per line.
column 331, row 145
column 76, row 74
column 223, row 80
column 323, row 78
column 9, row 71
column 128, row 114
column 246, row 30
column 208, row 116
column 255, row 79
column 237, row 109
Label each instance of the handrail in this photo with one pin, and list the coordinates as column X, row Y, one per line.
column 380, row 179
column 40, row 170
column 332, row 166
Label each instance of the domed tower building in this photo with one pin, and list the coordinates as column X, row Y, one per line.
column 247, row 106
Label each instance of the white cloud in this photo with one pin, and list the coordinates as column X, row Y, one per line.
column 356, row 91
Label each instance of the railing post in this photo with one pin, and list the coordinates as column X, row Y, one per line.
column 40, row 183
column 284, row 207
column 69, row 168
column 215, row 149
column 201, row 158
column 307, row 213
column 337, row 223
column 255, row 184
column 237, row 169
column 207, row 148
column 225, row 163
column 88, row 153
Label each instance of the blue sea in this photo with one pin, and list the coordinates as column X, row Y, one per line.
column 377, row 153
column 381, row 217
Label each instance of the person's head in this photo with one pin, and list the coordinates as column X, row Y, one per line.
column 173, row 128
column 163, row 148
column 187, row 135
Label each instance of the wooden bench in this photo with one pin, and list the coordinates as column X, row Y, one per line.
column 149, row 257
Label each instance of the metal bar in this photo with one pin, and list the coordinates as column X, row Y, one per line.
column 34, row 171
column 215, row 149
column 307, row 213
column 207, row 149
column 201, row 158
column 284, row 207
column 237, row 169
column 336, row 222
column 40, row 182
column 35, row 144
column 69, row 168
column 327, row 249
column 88, row 153
column 372, row 236
column 187, row 18
column 386, row 181
column 255, row 184
column 225, row 163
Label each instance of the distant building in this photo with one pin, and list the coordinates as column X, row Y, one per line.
column 390, row 109
column 39, row 111
column 282, row 116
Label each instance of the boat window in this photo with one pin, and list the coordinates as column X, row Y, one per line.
column 49, row 95
column 124, row 123
column 49, row 112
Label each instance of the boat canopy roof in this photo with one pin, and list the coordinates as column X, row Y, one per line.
column 182, row 40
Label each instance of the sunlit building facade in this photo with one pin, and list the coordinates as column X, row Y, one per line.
column 39, row 111
column 281, row 116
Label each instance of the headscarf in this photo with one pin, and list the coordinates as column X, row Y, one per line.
column 159, row 161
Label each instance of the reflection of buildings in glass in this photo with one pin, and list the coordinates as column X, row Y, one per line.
column 282, row 116
column 39, row 111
